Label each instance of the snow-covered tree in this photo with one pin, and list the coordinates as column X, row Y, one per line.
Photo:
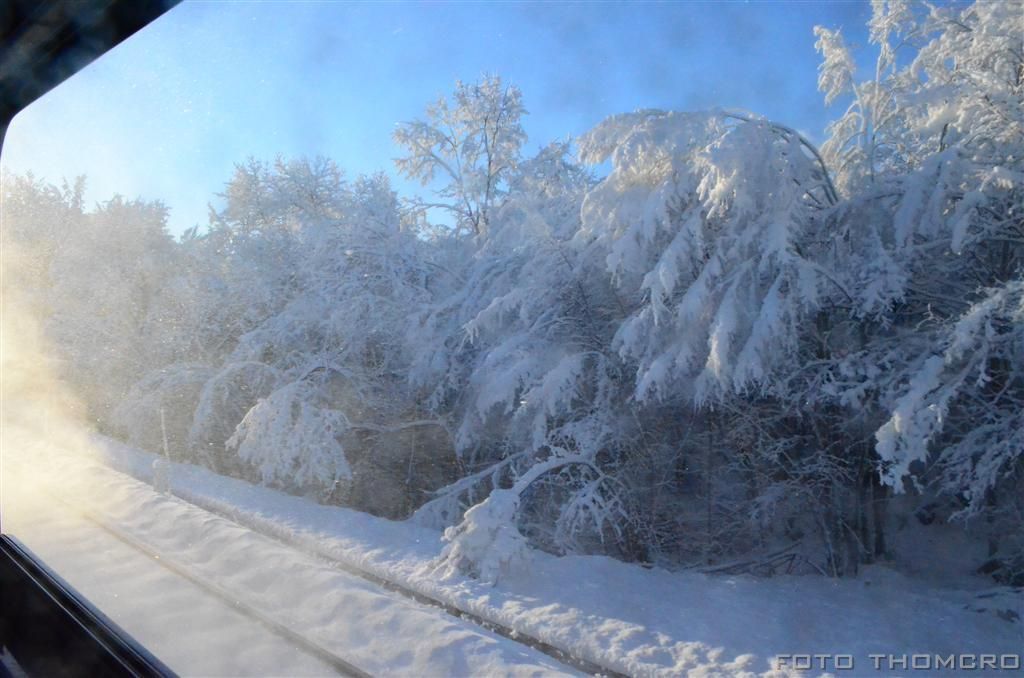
column 471, row 144
column 929, row 238
column 939, row 232
column 709, row 225
column 523, row 366
column 37, row 217
column 107, row 276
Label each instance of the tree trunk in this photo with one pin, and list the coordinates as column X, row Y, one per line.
column 879, row 503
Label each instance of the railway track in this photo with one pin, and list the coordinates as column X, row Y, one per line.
column 339, row 664
column 265, row 528
column 342, row 666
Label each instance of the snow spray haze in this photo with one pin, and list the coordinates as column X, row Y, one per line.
column 40, row 416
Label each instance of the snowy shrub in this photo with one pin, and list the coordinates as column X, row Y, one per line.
column 223, row 402
column 486, row 544
column 291, row 438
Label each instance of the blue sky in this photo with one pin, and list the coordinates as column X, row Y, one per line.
column 167, row 113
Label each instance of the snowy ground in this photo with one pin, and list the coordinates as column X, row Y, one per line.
column 379, row 632
column 190, row 631
column 631, row 619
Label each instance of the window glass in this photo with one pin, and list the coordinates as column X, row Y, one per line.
column 485, row 338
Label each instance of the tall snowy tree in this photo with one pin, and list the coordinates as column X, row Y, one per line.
column 471, row 145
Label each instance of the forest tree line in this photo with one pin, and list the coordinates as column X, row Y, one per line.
column 731, row 343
